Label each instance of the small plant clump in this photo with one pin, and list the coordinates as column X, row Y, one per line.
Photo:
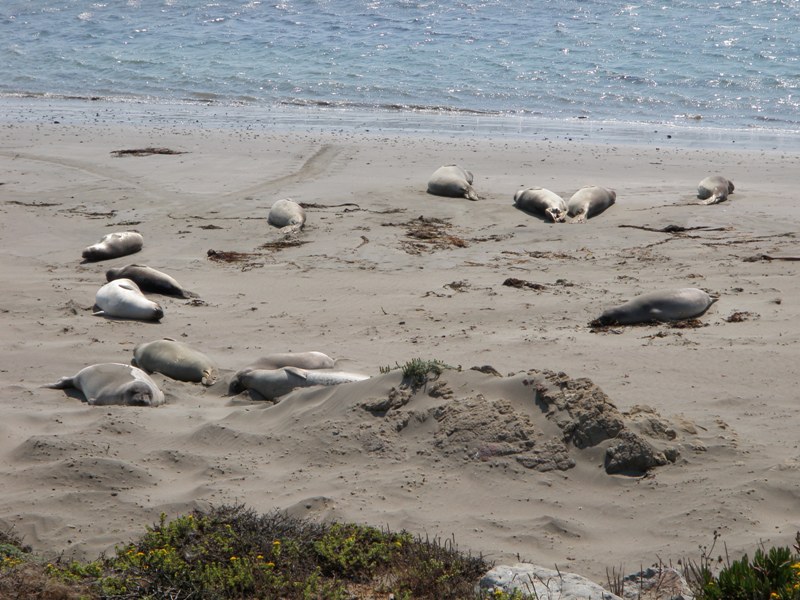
column 417, row 372
column 231, row 552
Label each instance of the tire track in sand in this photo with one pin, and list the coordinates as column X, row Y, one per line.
column 313, row 167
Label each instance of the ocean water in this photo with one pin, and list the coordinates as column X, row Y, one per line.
column 721, row 65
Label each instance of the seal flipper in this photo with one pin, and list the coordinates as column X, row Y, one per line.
column 61, row 384
column 579, row 218
column 297, row 372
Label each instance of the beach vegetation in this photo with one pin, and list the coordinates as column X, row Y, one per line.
column 233, row 552
column 417, row 371
column 771, row 574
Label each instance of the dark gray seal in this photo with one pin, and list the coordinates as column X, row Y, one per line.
column 452, row 181
column 113, row 383
column 589, row 201
column 714, row 189
column 114, row 245
column 311, row 361
column 150, row 280
column 543, row 202
column 273, row 383
column 667, row 305
column 176, row 360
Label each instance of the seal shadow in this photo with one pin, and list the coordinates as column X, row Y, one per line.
column 113, row 318
column 536, row 215
column 74, row 393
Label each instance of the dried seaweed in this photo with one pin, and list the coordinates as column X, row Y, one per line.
column 149, row 151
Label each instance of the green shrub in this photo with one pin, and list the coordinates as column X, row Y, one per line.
column 772, row 574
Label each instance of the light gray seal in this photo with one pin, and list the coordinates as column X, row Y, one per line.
column 714, row 189
column 589, row 201
column 287, row 215
column 176, row 360
column 452, row 181
column 273, row 383
column 302, row 360
column 667, row 305
column 114, row 245
column 113, row 383
column 122, row 298
column 150, row 280
column 543, row 202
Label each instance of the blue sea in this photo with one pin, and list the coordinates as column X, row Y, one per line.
column 723, row 67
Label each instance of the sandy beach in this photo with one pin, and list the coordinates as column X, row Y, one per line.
column 382, row 273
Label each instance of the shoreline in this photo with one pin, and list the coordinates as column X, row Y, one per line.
column 286, row 118
column 360, row 287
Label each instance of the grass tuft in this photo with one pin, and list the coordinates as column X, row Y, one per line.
column 417, row 372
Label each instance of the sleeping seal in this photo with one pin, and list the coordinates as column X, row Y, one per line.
column 302, row 360
column 176, row 360
column 668, row 305
column 123, row 298
column 540, row 201
column 273, row 383
column 287, row 215
column 452, row 181
column 589, row 201
column 114, row 245
column 150, row 280
column 714, row 189
column 113, row 383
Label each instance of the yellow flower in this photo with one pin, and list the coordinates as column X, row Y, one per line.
column 774, row 595
column 276, row 543
column 259, row 557
column 234, row 558
column 270, row 564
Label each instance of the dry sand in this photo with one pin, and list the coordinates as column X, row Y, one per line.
column 80, row 479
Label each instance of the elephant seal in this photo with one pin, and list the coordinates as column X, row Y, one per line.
column 287, row 215
column 542, row 202
column 113, row 383
column 302, row 360
column 176, row 360
column 589, row 201
column 273, row 383
column 668, row 305
column 123, row 298
column 114, row 245
column 150, row 280
column 714, row 189
column 452, row 181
